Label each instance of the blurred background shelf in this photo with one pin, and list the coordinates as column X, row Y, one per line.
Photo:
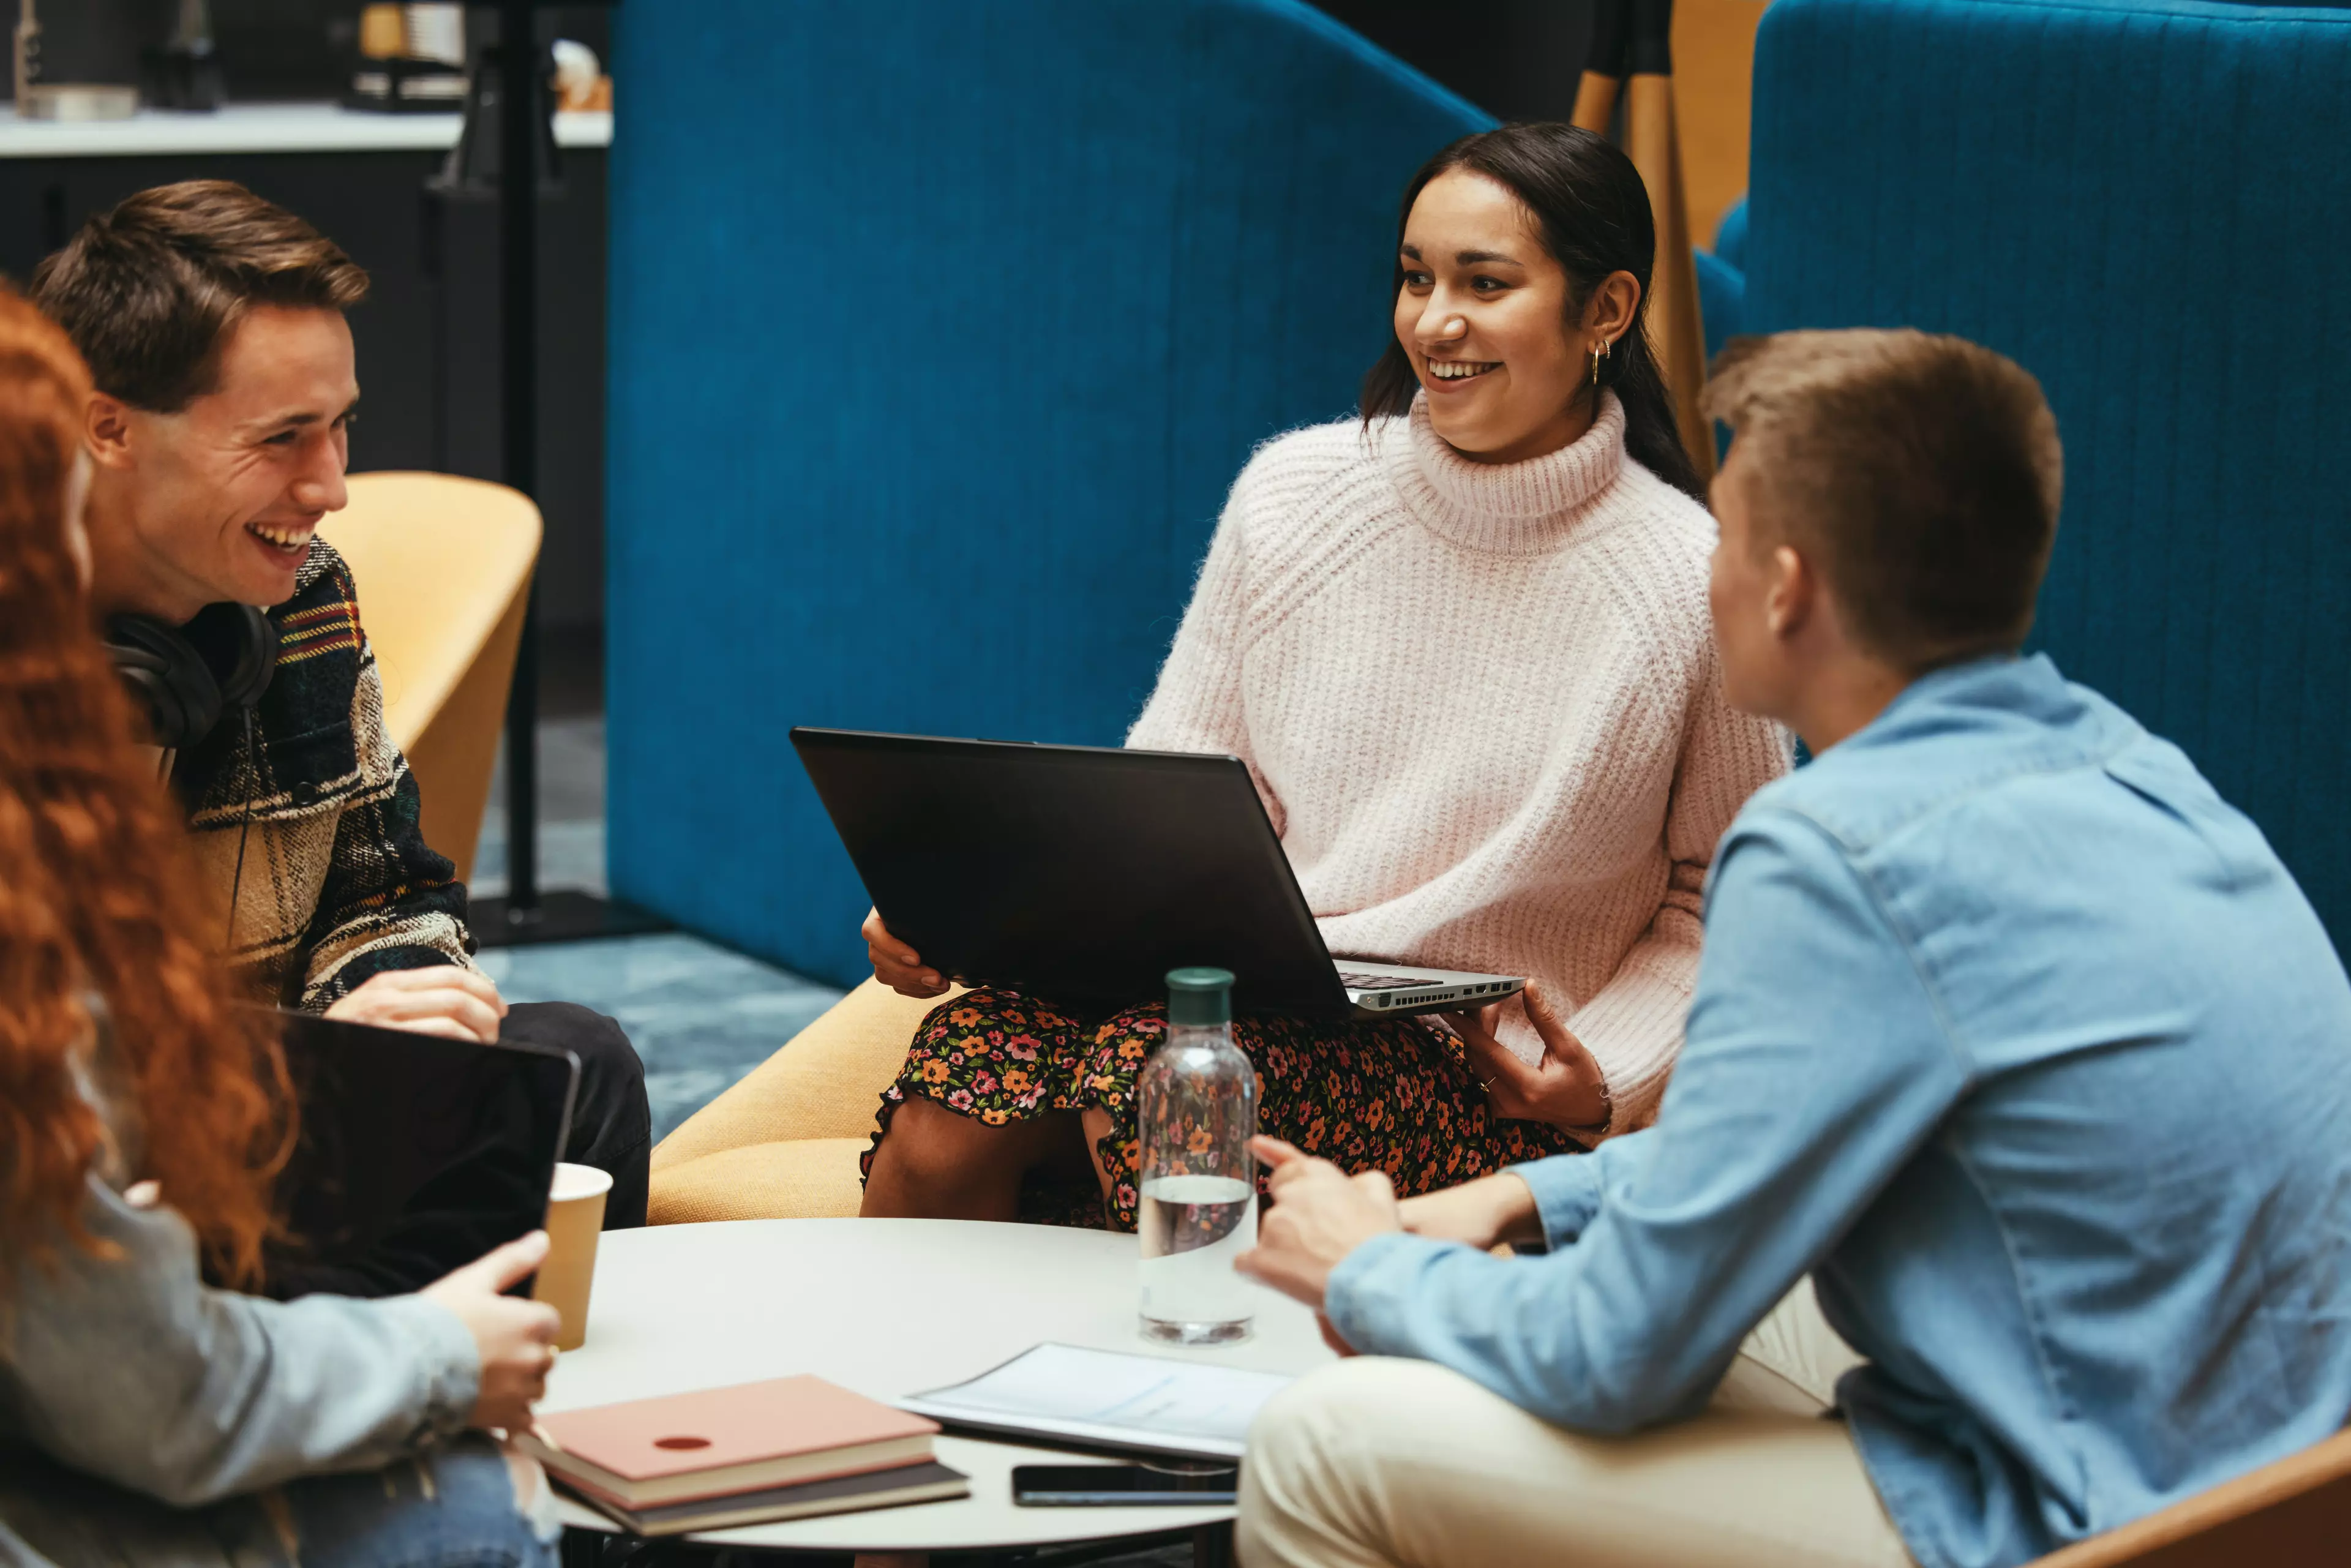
column 427, row 335
column 264, row 127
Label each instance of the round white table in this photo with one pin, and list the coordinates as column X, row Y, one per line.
column 888, row 1308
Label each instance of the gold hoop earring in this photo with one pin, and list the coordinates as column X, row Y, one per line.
column 1597, row 355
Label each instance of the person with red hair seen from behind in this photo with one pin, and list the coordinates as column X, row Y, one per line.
column 146, row 1416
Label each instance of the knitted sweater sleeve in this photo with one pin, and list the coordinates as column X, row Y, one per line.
column 1633, row 1025
column 388, row 901
column 1196, row 704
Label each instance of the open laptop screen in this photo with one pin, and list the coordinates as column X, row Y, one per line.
column 1079, row 873
column 417, row 1155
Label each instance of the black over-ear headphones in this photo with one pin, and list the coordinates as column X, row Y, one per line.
column 181, row 690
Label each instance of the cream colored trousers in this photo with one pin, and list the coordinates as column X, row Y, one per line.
column 1377, row 1461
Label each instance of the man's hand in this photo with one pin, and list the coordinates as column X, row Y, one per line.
column 1481, row 1213
column 514, row 1338
column 1563, row 1089
column 444, row 1001
column 1319, row 1215
column 897, row 965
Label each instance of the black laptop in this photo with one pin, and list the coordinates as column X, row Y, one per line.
column 417, row 1155
column 1084, row 875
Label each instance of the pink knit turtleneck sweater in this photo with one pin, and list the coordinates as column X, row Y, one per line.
column 1483, row 705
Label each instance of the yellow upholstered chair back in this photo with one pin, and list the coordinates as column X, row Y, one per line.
column 784, row 1143
column 443, row 567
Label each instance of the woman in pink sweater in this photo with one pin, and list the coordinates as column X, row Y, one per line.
column 1464, row 649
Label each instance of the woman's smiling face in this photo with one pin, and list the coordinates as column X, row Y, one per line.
column 1484, row 315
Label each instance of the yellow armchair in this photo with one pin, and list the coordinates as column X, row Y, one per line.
column 784, row 1143
column 443, row 567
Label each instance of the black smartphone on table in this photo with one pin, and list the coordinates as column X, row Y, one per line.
column 1121, row 1486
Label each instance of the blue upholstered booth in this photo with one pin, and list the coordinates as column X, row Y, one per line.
column 938, row 331
column 2147, row 204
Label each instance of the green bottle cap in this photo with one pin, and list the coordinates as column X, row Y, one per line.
column 1199, row 996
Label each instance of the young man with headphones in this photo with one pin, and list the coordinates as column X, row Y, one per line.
column 213, row 325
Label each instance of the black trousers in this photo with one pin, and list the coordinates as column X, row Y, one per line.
column 612, row 1125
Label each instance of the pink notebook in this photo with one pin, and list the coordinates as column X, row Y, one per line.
column 717, row 1442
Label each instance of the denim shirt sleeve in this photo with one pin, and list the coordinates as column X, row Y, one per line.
column 1567, row 1187
column 132, row 1369
column 1816, row 1061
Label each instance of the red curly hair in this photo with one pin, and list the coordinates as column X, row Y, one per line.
column 98, row 896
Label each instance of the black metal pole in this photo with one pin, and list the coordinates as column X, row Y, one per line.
column 524, row 137
column 519, row 104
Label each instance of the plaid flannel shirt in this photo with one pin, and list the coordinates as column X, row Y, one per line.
column 338, row 883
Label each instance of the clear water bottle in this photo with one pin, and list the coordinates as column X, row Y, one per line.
column 1197, row 1105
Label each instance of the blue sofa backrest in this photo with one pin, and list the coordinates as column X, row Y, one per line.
column 938, row 331
column 2149, row 205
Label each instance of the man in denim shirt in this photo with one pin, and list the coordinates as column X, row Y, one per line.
column 2009, row 1035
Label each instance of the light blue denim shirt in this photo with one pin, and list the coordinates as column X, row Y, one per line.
column 2025, row 1046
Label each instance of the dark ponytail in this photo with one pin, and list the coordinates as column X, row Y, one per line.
column 1593, row 211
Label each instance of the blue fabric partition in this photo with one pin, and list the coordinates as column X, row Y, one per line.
column 938, row 330
column 1721, row 301
column 2149, row 205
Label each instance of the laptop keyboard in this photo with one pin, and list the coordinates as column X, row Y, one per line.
column 1363, row 982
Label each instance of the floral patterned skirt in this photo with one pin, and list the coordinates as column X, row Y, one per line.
column 1391, row 1094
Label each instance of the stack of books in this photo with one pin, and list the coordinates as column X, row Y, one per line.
column 788, row 1448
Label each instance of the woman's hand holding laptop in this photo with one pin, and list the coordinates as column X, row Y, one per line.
column 897, row 965
column 1565, row 1088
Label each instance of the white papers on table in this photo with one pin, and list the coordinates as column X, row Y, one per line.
column 1146, row 1403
